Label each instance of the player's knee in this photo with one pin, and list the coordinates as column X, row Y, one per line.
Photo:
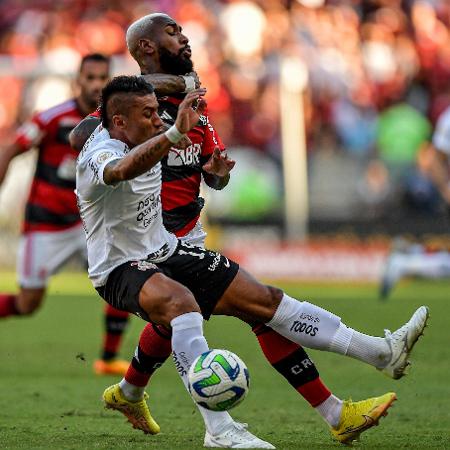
column 28, row 306
column 178, row 302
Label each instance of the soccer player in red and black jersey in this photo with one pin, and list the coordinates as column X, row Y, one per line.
column 158, row 45
column 51, row 231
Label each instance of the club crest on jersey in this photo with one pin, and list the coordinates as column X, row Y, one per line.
column 189, row 156
column 103, row 157
column 143, row 265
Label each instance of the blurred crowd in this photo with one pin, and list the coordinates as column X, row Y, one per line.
column 378, row 71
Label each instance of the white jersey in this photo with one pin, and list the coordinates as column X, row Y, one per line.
column 441, row 135
column 122, row 222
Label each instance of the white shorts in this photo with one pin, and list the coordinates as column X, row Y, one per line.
column 196, row 236
column 43, row 253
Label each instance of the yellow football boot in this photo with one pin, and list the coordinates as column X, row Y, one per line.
column 113, row 367
column 137, row 413
column 357, row 417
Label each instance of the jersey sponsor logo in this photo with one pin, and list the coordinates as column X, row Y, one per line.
column 179, row 366
column 189, row 156
column 216, row 261
column 143, row 265
column 146, row 207
column 309, row 317
column 304, row 327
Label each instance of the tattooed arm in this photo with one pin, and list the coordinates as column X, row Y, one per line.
column 165, row 84
column 144, row 156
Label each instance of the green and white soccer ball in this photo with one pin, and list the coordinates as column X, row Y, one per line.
column 218, row 380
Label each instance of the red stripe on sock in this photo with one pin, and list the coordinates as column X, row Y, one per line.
column 152, row 343
column 274, row 346
column 8, row 305
column 113, row 312
column 314, row 392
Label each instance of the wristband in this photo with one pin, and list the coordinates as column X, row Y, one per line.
column 173, row 135
column 189, row 83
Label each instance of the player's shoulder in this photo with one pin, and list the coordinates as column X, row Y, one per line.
column 57, row 112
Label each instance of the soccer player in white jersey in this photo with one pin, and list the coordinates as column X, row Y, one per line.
column 131, row 256
column 413, row 259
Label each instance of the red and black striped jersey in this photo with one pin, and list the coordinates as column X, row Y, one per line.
column 182, row 171
column 51, row 204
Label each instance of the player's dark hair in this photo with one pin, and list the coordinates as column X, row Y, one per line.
column 129, row 85
column 96, row 57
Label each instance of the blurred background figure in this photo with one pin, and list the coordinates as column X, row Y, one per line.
column 52, row 232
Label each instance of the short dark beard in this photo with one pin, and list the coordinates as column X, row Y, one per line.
column 174, row 64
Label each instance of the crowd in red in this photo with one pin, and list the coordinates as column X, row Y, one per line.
column 362, row 58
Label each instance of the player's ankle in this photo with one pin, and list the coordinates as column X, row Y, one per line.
column 131, row 392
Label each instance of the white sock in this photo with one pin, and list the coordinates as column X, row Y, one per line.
column 131, row 392
column 188, row 343
column 331, row 409
column 305, row 323
column 369, row 349
column 315, row 327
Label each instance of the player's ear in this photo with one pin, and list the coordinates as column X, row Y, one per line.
column 118, row 121
column 147, row 46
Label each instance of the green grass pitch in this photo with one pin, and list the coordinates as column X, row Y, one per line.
column 49, row 397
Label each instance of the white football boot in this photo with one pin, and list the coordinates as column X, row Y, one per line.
column 235, row 435
column 402, row 341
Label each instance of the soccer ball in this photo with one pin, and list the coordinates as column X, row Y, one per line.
column 218, row 380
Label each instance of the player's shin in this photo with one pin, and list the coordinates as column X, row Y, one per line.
column 294, row 364
column 188, row 343
column 115, row 324
column 152, row 351
column 315, row 327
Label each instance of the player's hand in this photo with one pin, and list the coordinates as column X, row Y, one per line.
column 219, row 164
column 194, row 75
column 183, row 143
column 190, row 110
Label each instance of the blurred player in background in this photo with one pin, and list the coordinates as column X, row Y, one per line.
column 408, row 259
column 52, row 231
column 158, row 44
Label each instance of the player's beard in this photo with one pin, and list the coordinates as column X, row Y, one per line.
column 175, row 64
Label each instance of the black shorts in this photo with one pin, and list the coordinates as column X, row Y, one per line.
column 205, row 273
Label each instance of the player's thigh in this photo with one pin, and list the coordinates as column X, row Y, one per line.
column 248, row 299
column 163, row 299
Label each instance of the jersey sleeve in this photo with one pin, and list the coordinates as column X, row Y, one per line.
column 100, row 157
column 30, row 134
column 211, row 140
column 441, row 135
